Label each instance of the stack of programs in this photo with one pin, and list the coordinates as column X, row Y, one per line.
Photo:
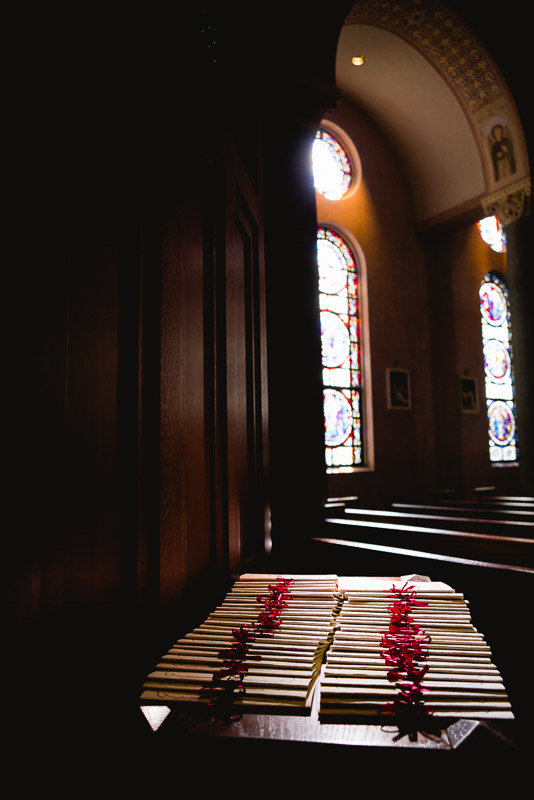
column 411, row 647
column 262, row 648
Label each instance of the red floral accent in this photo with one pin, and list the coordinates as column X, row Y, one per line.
column 403, row 651
column 229, row 679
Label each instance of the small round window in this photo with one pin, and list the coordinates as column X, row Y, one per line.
column 333, row 167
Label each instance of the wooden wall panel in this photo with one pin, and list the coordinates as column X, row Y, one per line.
column 92, row 523
column 35, row 436
column 184, row 532
column 145, row 420
column 237, row 394
column 212, row 366
column 250, row 397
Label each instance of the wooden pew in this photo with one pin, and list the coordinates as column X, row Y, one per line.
column 491, row 503
column 337, row 505
column 481, row 547
column 469, row 510
column 489, row 493
column 508, row 498
column 487, row 524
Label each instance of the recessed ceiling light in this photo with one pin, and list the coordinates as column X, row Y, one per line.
column 358, row 61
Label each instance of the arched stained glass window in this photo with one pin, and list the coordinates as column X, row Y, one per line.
column 496, row 342
column 339, row 303
column 332, row 169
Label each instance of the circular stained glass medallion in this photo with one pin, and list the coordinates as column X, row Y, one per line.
column 337, row 417
column 492, row 303
column 501, row 423
column 497, row 361
column 335, row 340
column 332, row 267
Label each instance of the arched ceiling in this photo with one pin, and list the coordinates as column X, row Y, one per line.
column 436, row 95
column 419, row 114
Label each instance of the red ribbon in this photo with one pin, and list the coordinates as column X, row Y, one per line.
column 227, row 680
column 403, row 645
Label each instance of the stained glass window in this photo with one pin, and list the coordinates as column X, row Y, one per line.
column 332, row 171
column 492, row 233
column 496, row 342
column 341, row 356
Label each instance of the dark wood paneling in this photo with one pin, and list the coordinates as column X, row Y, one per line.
column 213, row 419
column 238, row 407
column 184, row 515
column 215, row 372
column 246, row 415
column 92, row 529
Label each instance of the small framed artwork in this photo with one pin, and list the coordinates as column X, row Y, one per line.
column 398, row 388
column 469, row 395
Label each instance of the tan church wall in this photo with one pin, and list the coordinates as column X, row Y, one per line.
column 379, row 216
column 471, row 260
column 457, row 261
column 422, row 316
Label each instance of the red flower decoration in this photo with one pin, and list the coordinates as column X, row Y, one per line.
column 403, row 650
column 229, row 679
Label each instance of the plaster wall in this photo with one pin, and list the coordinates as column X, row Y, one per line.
column 422, row 315
column 380, row 217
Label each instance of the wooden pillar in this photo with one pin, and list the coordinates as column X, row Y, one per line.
column 520, row 252
column 296, row 446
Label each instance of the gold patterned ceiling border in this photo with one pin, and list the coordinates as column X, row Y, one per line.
column 437, row 33
column 455, row 52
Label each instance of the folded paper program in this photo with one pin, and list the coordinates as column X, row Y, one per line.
column 229, row 679
column 418, row 657
column 374, row 651
column 261, row 649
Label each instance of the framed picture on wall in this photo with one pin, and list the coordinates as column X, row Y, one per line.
column 398, row 388
column 469, row 395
